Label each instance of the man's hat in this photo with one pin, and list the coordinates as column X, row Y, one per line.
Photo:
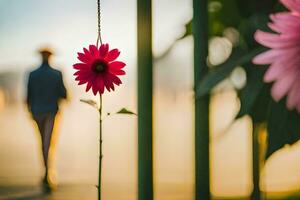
column 45, row 50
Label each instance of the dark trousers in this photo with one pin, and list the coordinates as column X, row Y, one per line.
column 45, row 123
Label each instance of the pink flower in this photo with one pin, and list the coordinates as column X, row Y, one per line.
column 99, row 69
column 284, row 54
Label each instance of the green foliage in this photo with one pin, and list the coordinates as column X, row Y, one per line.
column 90, row 102
column 125, row 111
column 122, row 111
column 247, row 8
column 188, row 30
column 222, row 14
column 277, row 120
column 283, row 127
column 221, row 72
column 293, row 126
column 255, row 96
column 248, row 26
column 246, row 17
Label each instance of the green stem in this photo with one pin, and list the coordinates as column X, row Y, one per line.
column 100, row 147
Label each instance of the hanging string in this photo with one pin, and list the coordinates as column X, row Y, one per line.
column 99, row 39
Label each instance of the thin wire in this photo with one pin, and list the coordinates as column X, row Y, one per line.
column 99, row 39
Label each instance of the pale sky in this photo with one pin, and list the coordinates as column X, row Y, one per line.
column 69, row 25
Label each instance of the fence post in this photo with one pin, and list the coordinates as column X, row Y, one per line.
column 256, row 193
column 145, row 150
column 200, row 32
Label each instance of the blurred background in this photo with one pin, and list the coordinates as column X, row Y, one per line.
column 68, row 26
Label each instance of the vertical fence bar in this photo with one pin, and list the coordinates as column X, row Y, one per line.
column 256, row 193
column 145, row 71
column 200, row 32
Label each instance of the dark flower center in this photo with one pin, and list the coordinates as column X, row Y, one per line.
column 99, row 66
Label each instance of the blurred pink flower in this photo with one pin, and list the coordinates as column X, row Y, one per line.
column 284, row 54
column 99, row 69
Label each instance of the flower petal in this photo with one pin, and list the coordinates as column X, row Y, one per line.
column 83, row 58
column 109, row 85
column 266, row 57
column 80, row 66
column 293, row 5
column 117, row 71
column 87, row 53
column 285, row 22
column 112, row 55
column 100, row 84
column 103, row 50
column 89, row 86
column 272, row 40
column 117, row 65
column 82, row 81
column 94, row 51
column 282, row 86
column 279, row 68
column 83, row 73
column 116, row 80
column 84, row 77
column 94, row 88
column 106, row 84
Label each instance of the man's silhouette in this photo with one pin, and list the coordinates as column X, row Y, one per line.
column 45, row 89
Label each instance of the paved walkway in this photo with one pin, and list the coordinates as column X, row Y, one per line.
column 65, row 192
column 88, row 192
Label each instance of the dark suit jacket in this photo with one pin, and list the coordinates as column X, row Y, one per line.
column 45, row 88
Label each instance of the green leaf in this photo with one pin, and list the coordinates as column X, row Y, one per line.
column 255, row 96
column 90, row 102
column 249, row 26
column 250, row 92
column 283, row 127
column 255, row 6
column 293, row 126
column 277, row 131
column 261, row 107
column 224, row 12
column 188, row 30
column 126, row 112
column 221, row 72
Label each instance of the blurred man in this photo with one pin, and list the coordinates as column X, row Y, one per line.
column 45, row 89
